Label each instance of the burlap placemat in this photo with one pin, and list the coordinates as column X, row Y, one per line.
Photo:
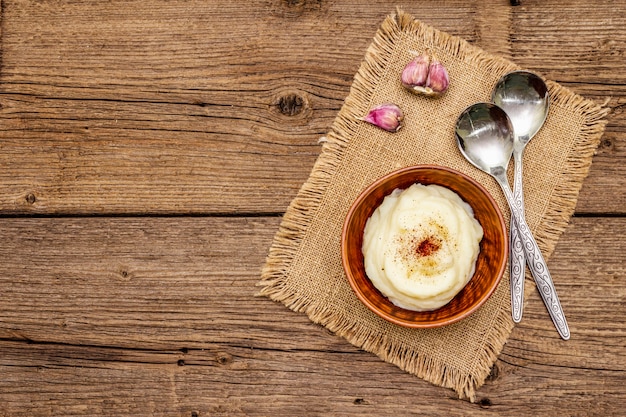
column 303, row 268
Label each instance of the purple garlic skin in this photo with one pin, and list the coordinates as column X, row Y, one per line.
column 438, row 79
column 425, row 75
column 385, row 116
column 416, row 72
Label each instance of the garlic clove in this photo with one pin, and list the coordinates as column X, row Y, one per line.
column 385, row 116
column 415, row 73
column 438, row 79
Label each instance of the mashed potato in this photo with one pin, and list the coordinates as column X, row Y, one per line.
column 420, row 246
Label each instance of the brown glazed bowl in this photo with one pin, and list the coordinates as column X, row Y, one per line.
column 490, row 264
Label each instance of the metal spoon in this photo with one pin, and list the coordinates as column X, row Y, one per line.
column 524, row 97
column 485, row 137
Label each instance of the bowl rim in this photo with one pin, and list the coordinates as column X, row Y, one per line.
column 435, row 323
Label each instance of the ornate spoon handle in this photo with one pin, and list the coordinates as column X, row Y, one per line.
column 517, row 259
column 536, row 263
column 518, row 267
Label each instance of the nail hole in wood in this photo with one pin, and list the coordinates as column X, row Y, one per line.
column 494, row 373
column 181, row 362
column 30, row 198
column 606, row 143
column 223, row 358
column 485, row 403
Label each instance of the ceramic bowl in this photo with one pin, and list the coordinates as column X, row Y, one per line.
column 490, row 264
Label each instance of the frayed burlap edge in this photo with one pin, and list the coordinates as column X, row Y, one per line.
column 303, row 208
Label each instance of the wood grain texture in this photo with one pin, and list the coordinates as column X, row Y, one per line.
column 158, row 316
column 210, row 107
column 200, row 120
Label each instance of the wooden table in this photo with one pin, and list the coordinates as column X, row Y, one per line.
column 148, row 150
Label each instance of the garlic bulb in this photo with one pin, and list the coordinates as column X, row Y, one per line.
column 425, row 75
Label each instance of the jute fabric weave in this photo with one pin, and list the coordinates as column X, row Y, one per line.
column 303, row 268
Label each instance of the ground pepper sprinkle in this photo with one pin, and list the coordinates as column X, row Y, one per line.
column 428, row 246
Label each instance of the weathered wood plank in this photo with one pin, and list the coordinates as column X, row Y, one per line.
column 191, row 107
column 236, row 381
column 96, row 313
column 579, row 41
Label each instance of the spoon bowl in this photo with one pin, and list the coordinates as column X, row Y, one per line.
column 485, row 136
column 524, row 97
